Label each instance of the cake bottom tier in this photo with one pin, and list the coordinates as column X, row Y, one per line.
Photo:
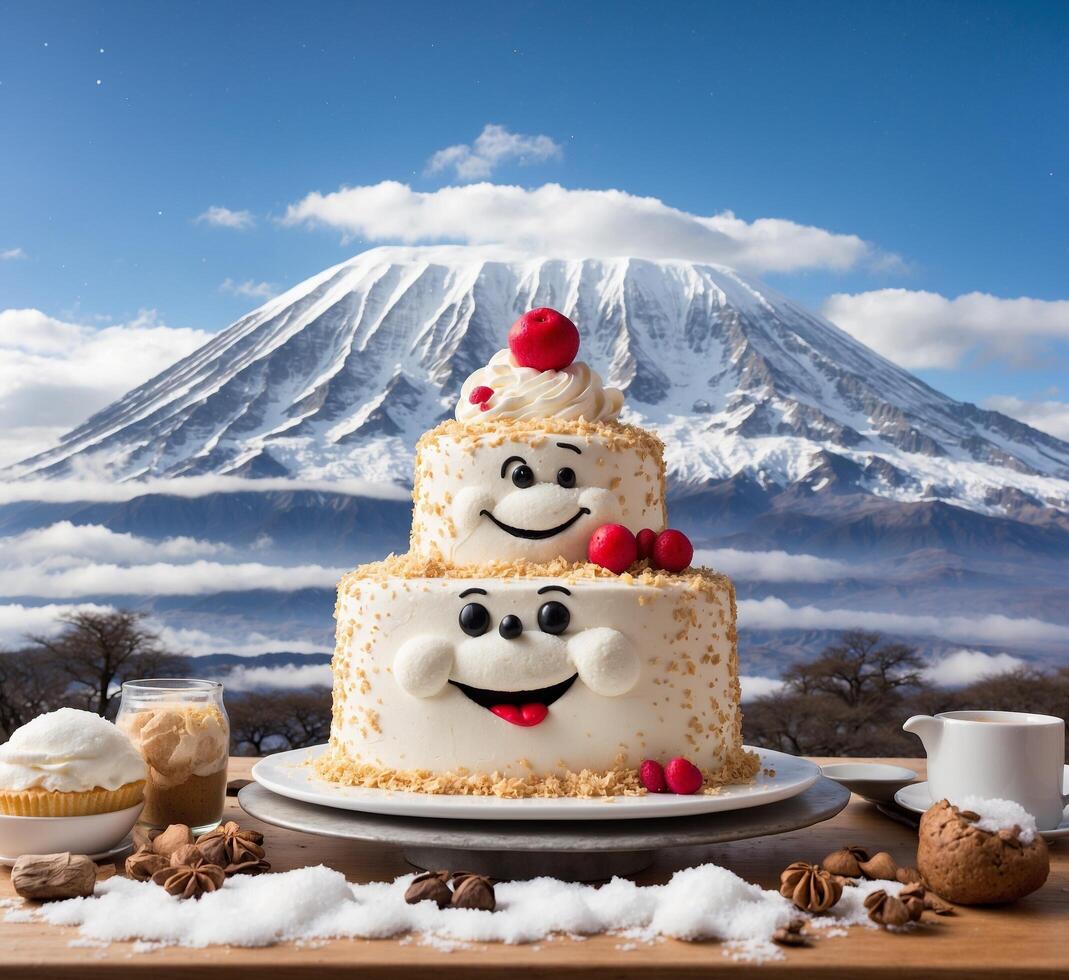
column 551, row 680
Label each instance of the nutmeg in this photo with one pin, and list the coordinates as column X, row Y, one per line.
column 144, row 863
column 431, row 886
column 846, row 861
column 472, row 891
column 880, row 867
column 170, row 840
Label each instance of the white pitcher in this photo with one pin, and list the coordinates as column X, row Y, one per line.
column 1009, row 755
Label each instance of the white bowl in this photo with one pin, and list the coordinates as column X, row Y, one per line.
column 96, row 833
column 876, row 782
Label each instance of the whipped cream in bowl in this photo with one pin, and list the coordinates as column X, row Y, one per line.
column 574, row 392
column 67, row 751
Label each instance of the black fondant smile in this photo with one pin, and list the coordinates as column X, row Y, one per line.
column 522, row 532
column 491, row 699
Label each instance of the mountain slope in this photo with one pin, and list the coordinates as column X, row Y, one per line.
column 340, row 375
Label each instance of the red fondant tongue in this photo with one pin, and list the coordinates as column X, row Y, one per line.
column 526, row 716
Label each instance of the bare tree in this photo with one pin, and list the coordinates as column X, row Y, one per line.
column 30, row 684
column 263, row 722
column 96, row 652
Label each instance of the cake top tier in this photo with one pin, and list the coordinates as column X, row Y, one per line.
column 537, row 377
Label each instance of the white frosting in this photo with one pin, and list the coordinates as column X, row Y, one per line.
column 576, row 392
column 657, row 675
column 459, row 482
column 69, row 751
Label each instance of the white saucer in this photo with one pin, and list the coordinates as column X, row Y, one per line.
column 288, row 774
column 916, row 797
column 119, row 850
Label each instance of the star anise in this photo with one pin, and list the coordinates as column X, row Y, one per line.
column 472, row 891
column 144, row 863
column 886, row 910
column 189, row 875
column 810, row 887
column 431, row 886
column 234, row 850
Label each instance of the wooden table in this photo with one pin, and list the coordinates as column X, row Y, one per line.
column 1028, row 939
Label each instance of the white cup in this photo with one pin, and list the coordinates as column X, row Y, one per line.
column 1008, row 755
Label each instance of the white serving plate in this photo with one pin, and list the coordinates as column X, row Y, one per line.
column 289, row 774
column 95, row 834
column 918, row 798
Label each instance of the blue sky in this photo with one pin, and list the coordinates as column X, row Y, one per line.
column 935, row 133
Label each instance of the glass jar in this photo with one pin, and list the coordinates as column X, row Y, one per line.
column 181, row 729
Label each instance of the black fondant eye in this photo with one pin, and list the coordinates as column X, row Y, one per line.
column 566, row 477
column 523, row 476
column 553, row 617
column 474, row 619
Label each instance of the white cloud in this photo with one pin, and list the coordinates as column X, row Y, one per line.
column 919, row 329
column 64, row 542
column 962, row 667
column 1047, row 416
column 196, row 643
column 200, row 577
column 10, row 254
column 555, row 220
column 288, row 677
column 493, row 146
column 249, row 288
column 225, row 218
column 775, row 566
column 54, row 373
column 17, row 620
column 103, row 489
column 774, row 614
column 758, row 687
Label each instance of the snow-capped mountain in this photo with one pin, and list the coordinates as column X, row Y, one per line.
column 340, row 375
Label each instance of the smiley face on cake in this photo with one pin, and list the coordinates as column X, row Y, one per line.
column 516, row 653
column 536, row 459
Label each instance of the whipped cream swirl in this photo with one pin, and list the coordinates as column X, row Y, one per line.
column 69, row 751
column 576, row 392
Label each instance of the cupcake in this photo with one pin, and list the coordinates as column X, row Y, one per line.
column 69, row 763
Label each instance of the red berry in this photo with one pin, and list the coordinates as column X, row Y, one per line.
column 651, row 775
column 683, row 777
column 544, row 339
column 480, row 395
column 484, row 407
column 612, row 546
column 645, row 539
column 672, row 551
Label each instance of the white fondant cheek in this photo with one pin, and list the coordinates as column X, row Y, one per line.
column 605, row 661
column 467, row 507
column 423, row 665
column 532, row 660
column 604, row 506
column 538, row 508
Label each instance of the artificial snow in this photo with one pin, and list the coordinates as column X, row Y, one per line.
column 315, row 904
column 996, row 815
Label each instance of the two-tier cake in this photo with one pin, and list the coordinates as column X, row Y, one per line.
column 522, row 646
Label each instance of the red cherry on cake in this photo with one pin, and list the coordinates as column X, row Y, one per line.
column 683, row 777
column 612, row 546
column 645, row 539
column 480, row 395
column 651, row 775
column 672, row 551
column 544, row 339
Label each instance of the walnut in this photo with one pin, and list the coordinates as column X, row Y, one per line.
column 472, row 891
column 235, row 850
column 880, row 867
column 144, row 863
column 810, row 887
column 846, row 861
column 51, row 877
column 189, row 875
column 431, row 886
column 886, row 910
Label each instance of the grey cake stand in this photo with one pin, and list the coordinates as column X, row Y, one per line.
column 571, row 850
